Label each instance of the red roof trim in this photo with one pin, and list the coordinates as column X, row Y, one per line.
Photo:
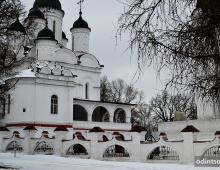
column 190, row 128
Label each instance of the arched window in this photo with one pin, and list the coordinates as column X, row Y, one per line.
column 54, row 105
column 77, row 150
column 43, row 148
column 115, row 151
column 79, row 113
column 100, row 114
column 119, row 116
column 163, row 153
column 14, row 146
column 87, row 91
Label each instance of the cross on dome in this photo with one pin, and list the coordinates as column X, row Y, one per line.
column 80, row 6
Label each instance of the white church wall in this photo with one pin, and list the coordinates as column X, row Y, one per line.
column 65, row 103
column 22, row 103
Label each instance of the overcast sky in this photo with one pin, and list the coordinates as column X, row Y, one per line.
column 102, row 17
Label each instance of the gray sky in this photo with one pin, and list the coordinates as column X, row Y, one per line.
column 102, row 17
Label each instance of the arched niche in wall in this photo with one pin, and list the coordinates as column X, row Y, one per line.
column 79, row 113
column 100, row 114
column 14, row 146
column 44, row 147
column 213, row 152
column 115, row 151
column 163, row 153
column 76, row 150
column 119, row 116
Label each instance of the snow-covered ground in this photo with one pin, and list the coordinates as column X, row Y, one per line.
column 42, row 162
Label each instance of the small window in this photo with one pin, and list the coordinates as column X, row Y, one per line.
column 87, row 91
column 54, row 27
column 2, row 107
column 9, row 103
column 24, row 109
column 54, row 105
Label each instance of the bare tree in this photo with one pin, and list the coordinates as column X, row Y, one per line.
column 142, row 116
column 164, row 105
column 11, row 42
column 119, row 91
column 179, row 35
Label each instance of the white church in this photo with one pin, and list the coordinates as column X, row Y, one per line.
column 55, row 106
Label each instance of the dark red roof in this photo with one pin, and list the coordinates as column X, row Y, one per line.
column 4, row 129
column 137, row 129
column 30, row 128
column 45, row 132
column 61, row 128
column 217, row 133
column 120, row 137
column 78, row 133
column 115, row 133
column 163, row 134
column 96, row 129
column 190, row 128
column 16, row 132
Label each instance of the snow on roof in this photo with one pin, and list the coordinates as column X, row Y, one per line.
column 26, row 73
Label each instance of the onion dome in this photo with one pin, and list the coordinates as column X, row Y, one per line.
column 55, row 4
column 64, row 36
column 46, row 33
column 36, row 13
column 17, row 26
column 80, row 23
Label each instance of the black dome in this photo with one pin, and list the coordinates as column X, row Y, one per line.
column 64, row 36
column 46, row 33
column 17, row 26
column 48, row 3
column 80, row 23
column 36, row 13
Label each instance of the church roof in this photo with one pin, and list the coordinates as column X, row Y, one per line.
column 55, row 4
column 46, row 33
column 36, row 13
column 80, row 23
column 17, row 26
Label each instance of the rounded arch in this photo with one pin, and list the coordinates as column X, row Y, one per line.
column 79, row 113
column 163, row 153
column 119, row 116
column 213, row 151
column 14, row 146
column 100, row 114
column 89, row 60
column 115, row 151
column 44, row 147
column 76, row 150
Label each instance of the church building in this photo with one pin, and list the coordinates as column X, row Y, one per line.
column 60, row 86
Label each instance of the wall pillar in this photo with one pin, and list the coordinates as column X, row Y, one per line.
column 136, row 153
column 94, row 145
column 58, row 142
column 111, row 117
column 28, row 134
column 188, row 149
